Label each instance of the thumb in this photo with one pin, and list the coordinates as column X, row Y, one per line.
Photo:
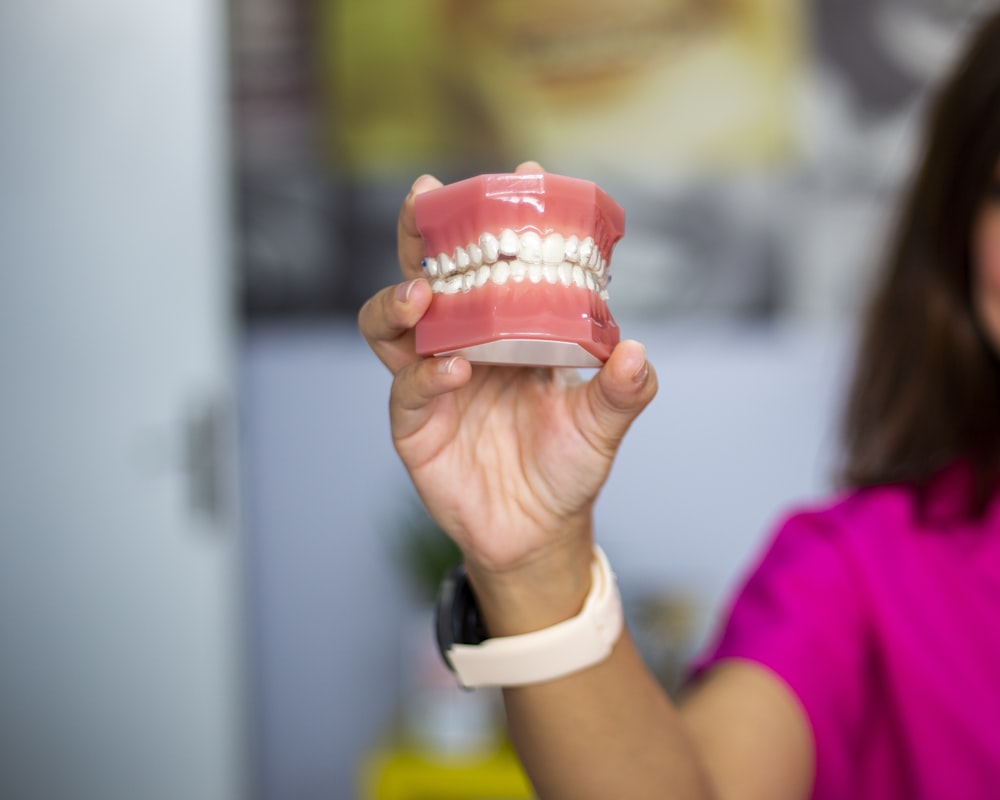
column 617, row 395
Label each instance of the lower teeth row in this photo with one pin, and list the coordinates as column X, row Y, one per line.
column 517, row 271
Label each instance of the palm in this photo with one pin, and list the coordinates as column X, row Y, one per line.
column 515, row 441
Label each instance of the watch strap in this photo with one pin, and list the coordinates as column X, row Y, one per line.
column 553, row 652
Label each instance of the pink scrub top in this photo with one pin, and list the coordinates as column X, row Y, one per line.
column 888, row 632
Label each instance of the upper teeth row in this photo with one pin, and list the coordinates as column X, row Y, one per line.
column 528, row 247
column 517, row 271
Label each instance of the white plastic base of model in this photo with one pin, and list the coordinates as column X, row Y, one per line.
column 527, row 353
column 562, row 649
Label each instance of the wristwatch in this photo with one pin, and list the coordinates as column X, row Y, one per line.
column 562, row 649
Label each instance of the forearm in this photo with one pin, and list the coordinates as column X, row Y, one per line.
column 607, row 731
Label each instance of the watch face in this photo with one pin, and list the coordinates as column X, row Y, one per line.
column 457, row 619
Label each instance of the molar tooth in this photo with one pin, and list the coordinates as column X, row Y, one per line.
column 490, row 246
column 482, row 275
column 578, row 279
column 461, row 258
column 586, row 251
column 518, row 271
column 535, row 273
column 604, row 295
column 589, row 278
column 602, row 266
column 500, row 273
column 453, row 285
column 595, row 257
column 475, row 254
column 553, row 248
column 566, row 274
column 573, row 248
column 468, row 281
column 445, row 265
column 551, row 273
column 438, row 286
column 430, row 266
column 509, row 243
column 530, row 248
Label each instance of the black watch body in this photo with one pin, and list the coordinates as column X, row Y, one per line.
column 457, row 617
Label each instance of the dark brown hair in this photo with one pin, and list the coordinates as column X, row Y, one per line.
column 926, row 386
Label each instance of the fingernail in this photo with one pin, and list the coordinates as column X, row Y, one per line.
column 403, row 292
column 413, row 188
column 445, row 366
column 643, row 372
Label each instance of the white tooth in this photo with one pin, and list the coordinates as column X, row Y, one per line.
column 602, row 266
column 518, row 271
column 461, row 258
column 551, row 273
column 553, row 248
column 475, row 254
column 578, row 279
column 453, row 285
column 490, row 246
column 468, row 281
column 438, row 286
column 604, row 295
column 595, row 256
column 589, row 278
column 535, row 273
column 566, row 273
column 430, row 267
column 445, row 265
column 530, row 248
column 500, row 273
column 573, row 248
column 508, row 242
column 586, row 250
column 482, row 275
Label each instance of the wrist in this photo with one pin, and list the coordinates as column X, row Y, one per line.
column 547, row 588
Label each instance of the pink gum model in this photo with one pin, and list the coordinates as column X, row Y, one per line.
column 519, row 267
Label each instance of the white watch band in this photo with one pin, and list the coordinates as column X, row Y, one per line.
column 553, row 652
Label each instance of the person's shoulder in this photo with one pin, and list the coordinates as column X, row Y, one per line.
column 851, row 513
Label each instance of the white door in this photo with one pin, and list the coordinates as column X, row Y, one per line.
column 120, row 623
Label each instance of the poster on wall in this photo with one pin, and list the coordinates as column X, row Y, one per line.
column 742, row 137
column 603, row 86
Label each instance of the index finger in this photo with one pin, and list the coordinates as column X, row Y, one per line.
column 529, row 167
column 410, row 246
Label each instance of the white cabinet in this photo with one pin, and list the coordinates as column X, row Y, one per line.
column 120, row 620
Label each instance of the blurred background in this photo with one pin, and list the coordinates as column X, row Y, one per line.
column 215, row 580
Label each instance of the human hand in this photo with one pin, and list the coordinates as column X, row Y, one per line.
column 508, row 460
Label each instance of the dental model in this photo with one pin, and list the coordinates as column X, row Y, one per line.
column 519, row 269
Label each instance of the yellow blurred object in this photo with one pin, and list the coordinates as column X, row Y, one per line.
column 396, row 772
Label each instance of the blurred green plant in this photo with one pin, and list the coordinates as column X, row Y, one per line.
column 423, row 550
